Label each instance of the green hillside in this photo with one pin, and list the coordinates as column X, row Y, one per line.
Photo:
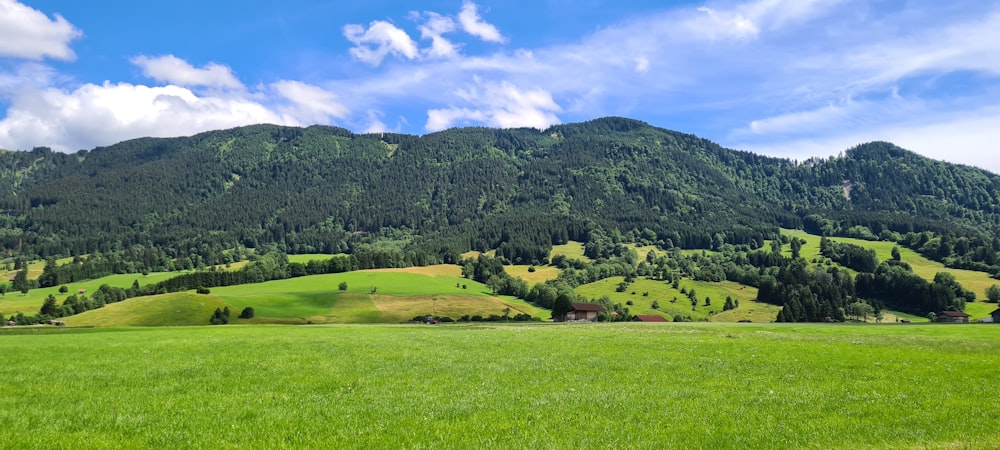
column 152, row 311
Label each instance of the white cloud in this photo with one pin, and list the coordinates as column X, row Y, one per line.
column 42, row 114
column 93, row 115
column 380, row 39
column 308, row 103
column 501, row 105
column 473, row 24
column 29, row 34
column 433, row 29
column 173, row 70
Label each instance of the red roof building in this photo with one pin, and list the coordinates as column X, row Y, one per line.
column 648, row 318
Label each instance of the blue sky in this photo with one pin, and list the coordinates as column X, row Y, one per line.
column 790, row 78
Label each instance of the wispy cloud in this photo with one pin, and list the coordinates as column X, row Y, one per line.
column 173, row 70
column 473, row 24
column 501, row 105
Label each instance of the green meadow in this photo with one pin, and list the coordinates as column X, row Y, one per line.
column 616, row 385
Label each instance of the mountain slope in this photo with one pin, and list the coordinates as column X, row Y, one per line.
column 326, row 189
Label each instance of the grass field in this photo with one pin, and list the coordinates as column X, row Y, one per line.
column 182, row 308
column 400, row 294
column 536, row 386
column 540, row 275
column 663, row 293
column 974, row 281
column 571, row 250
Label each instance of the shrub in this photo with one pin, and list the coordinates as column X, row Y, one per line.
column 247, row 313
column 342, row 286
column 220, row 317
column 204, row 290
column 63, row 289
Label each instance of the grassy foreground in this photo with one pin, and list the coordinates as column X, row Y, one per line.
column 528, row 386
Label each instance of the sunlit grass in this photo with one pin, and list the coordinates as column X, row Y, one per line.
column 540, row 275
column 536, row 386
column 571, row 250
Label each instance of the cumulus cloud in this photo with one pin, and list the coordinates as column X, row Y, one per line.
column 42, row 114
column 27, row 33
column 435, row 26
column 93, row 115
column 173, row 70
column 473, row 24
column 501, row 105
column 381, row 38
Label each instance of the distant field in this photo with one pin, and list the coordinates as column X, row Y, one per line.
column 643, row 250
column 663, row 293
column 571, row 250
column 306, row 257
column 29, row 303
column 540, row 275
column 773, row 386
column 182, row 308
column 399, row 295
column 975, row 281
column 439, row 270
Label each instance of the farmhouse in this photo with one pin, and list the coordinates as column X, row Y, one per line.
column 583, row 312
column 953, row 317
column 648, row 318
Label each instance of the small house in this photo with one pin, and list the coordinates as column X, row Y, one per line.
column 583, row 312
column 648, row 318
column 953, row 317
column 996, row 316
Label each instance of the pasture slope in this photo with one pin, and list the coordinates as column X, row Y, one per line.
column 372, row 296
column 772, row 386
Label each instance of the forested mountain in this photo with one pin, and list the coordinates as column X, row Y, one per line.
column 324, row 189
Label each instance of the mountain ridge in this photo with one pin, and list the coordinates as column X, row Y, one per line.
column 318, row 188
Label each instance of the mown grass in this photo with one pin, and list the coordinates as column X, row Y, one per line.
column 974, row 281
column 539, row 386
column 663, row 293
